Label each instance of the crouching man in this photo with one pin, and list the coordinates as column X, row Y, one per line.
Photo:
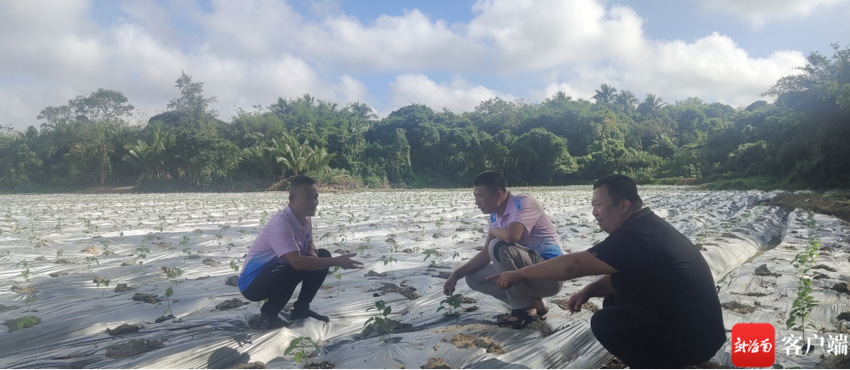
column 660, row 308
column 520, row 235
column 283, row 255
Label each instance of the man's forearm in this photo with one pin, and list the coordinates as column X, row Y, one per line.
column 560, row 268
column 600, row 288
column 312, row 263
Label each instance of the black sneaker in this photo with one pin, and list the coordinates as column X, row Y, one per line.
column 268, row 321
column 303, row 314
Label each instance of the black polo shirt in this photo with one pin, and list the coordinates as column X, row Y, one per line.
column 659, row 268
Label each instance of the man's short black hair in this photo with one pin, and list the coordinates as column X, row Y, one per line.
column 491, row 179
column 299, row 181
column 620, row 187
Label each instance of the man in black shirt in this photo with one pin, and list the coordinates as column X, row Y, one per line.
column 660, row 308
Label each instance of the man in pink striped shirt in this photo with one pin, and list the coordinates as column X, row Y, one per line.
column 520, row 235
column 283, row 255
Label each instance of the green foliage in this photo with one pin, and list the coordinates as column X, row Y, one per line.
column 450, row 304
column 337, row 273
column 27, row 321
column 30, row 300
column 301, row 348
column 168, row 293
column 803, row 261
column 234, row 265
column 381, row 319
column 800, row 139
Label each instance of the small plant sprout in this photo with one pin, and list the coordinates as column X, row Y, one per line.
column 102, row 280
column 381, row 319
column 168, row 293
column 27, row 321
column 234, row 265
column 30, row 300
column 143, row 252
column 197, row 232
column 452, row 303
column 301, row 348
column 456, row 256
column 440, row 222
column 6, row 255
column 430, row 254
column 89, row 261
column 121, row 237
column 338, row 275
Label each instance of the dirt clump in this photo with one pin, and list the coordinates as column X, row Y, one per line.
column 375, row 274
column 92, row 249
column 407, row 292
column 43, row 243
column 824, row 267
column 841, row 288
column 564, row 305
column 100, row 280
column 5, row 308
column 844, row 316
column 322, row 365
column 465, row 299
column 58, row 274
column 122, row 287
column 133, row 347
column 738, row 307
column 128, row 263
column 123, row 329
column 209, row 261
column 374, row 329
column 463, row 340
column 164, row 318
column 41, row 259
column 28, row 290
column 471, row 309
column 763, row 271
column 233, row 280
column 172, row 271
column 63, row 261
column 435, row 363
column 229, row 304
column 144, row 297
column 251, row 365
column 164, row 245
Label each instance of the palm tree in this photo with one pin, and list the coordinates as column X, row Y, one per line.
column 293, row 155
column 605, row 94
column 651, row 105
column 360, row 116
column 626, row 100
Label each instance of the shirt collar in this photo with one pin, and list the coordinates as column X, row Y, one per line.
column 644, row 212
column 509, row 205
column 290, row 216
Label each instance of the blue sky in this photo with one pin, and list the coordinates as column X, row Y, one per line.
column 388, row 54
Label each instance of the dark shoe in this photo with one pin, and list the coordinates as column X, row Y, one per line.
column 303, row 314
column 268, row 321
column 523, row 318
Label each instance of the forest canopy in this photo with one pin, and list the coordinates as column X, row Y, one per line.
column 802, row 139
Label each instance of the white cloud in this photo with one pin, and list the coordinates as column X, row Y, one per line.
column 758, row 12
column 253, row 52
column 458, row 96
column 541, row 34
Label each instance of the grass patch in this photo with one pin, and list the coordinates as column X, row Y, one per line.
column 834, row 202
column 752, row 183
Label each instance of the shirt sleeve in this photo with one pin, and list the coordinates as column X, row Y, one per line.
column 625, row 251
column 526, row 211
column 281, row 237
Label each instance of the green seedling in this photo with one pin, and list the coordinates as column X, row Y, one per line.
column 102, row 280
column 456, row 256
column 430, row 254
column 234, row 266
column 30, row 300
column 440, row 222
column 301, row 348
column 143, row 252
column 338, row 275
column 168, row 293
column 121, row 237
column 89, row 261
column 381, row 319
column 452, row 303
column 6, row 255
column 804, row 303
column 27, row 321
column 105, row 243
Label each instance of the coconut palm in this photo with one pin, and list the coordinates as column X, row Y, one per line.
column 651, row 105
column 605, row 94
column 626, row 101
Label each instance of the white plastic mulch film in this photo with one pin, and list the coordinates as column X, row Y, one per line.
column 55, row 246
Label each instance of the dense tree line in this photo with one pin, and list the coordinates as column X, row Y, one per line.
column 803, row 138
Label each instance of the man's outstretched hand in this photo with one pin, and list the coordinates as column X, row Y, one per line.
column 347, row 263
column 506, row 279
